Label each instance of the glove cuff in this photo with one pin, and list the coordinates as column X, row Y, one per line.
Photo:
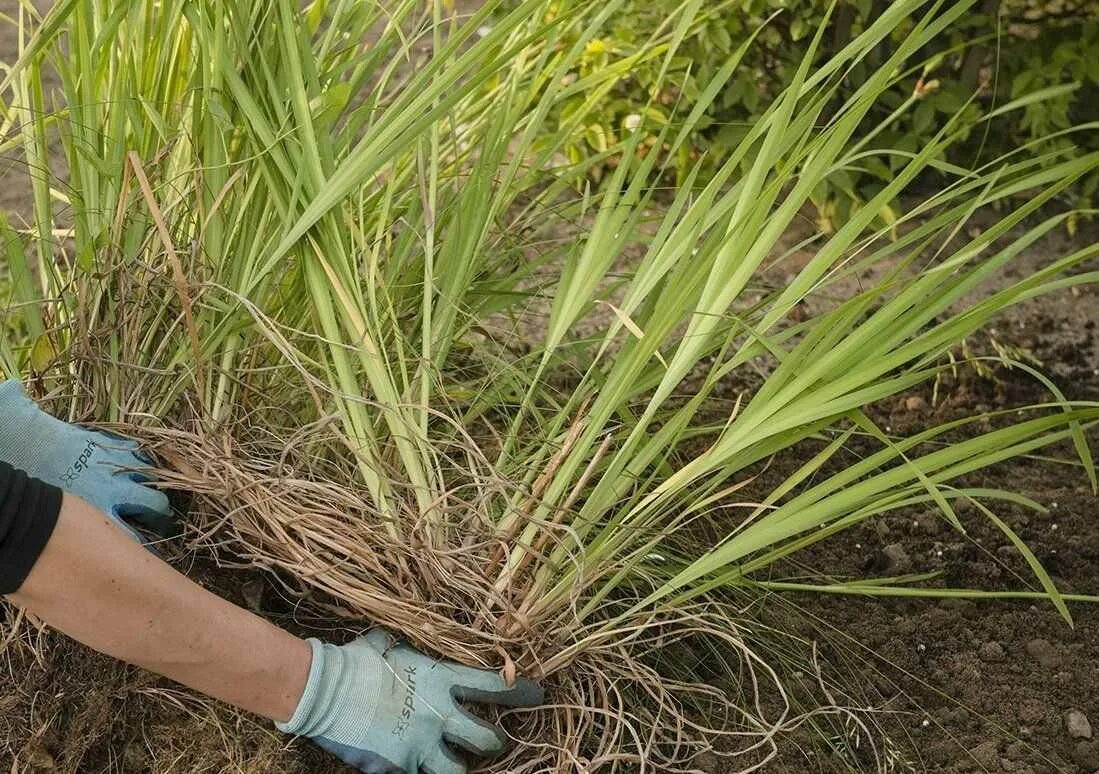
column 301, row 721
column 11, row 395
column 341, row 695
column 19, row 446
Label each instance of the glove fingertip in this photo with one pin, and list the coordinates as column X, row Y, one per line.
column 528, row 693
column 473, row 734
column 150, row 508
column 151, row 501
column 524, row 693
column 491, row 689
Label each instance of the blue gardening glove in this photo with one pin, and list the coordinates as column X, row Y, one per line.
column 389, row 709
column 95, row 466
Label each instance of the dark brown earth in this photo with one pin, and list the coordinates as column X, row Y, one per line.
column 974, row 685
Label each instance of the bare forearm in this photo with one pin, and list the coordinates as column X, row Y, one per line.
column 96, row 585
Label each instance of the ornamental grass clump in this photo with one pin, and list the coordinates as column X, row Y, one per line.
column 332, row 265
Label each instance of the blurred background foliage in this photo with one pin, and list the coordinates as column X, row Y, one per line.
column 1009, row 49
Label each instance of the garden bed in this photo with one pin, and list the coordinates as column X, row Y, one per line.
column 961, row 685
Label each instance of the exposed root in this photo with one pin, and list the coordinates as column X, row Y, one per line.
column 635, row 694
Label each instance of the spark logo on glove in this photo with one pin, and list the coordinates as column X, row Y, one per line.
column 408, row 709
column 80, row 465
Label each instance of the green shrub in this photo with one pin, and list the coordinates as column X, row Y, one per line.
column 1010, row 49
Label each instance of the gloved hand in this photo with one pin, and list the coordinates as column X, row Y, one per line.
column 389, row 709
column 94, row 466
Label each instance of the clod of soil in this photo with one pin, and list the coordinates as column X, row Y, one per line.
column 992, row 652
column 1043, row 652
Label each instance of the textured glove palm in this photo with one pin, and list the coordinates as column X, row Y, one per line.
column 389, row 709
column 94, row 466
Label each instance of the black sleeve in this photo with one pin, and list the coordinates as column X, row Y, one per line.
column 28, row 514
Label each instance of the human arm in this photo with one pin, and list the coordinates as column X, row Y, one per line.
column 381, row 707
column 100, row 588
column 68, row 563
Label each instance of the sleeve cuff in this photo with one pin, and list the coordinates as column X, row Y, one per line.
column 28, row 515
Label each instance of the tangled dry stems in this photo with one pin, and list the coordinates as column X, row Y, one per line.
column 629, row 696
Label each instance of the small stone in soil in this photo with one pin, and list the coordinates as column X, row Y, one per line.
column 252, row 591
column 992, row 651
column 40, row 758
column 964, row 607
column 963, row 506
column 1043, row 652
column 915, row 403
column 1078, row 725
column 707, row 761
column 899, row 560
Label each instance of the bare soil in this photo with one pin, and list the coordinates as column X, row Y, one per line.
column 975, row 685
